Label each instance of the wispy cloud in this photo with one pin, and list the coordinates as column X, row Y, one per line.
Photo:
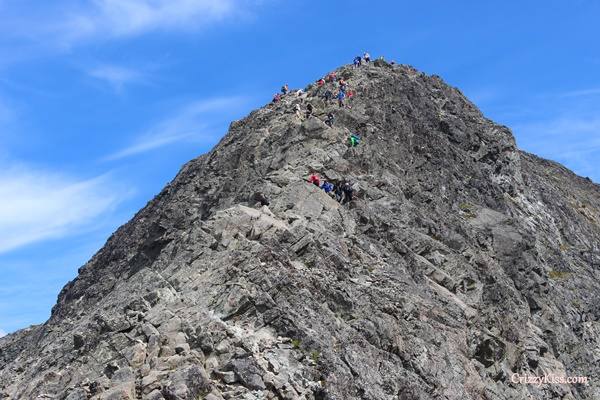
column 38, row 204
column 110, row 19
column 115, row 76
column 190, row 123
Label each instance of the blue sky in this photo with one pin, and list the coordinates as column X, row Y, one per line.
column 102, row 101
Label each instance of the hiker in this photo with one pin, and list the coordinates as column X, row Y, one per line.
column 348, row 190
column 331, row 77
column 349, row 95
column 320, row 82
column 327, row 187
column 340, row 97
column 309, row 110
column 315, row 180
column 330, row 119
column 338, row 193
column 354, row 140
column 357, row 61
column 343, row 85
column 328, row 96
column 276, row 98
column 285, row 89
column 367, row 57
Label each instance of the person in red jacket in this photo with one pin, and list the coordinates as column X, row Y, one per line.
column 315, row 180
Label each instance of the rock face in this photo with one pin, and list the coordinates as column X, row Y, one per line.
column 461, row 263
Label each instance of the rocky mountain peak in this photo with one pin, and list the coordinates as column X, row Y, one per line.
column 459, row 262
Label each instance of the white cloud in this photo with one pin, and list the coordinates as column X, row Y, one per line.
column 38, row 205
column 102, row 19
column 2, row 333
column 189, row 124
column 115, row 76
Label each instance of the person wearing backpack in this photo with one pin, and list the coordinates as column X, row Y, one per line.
column 354, row 140
column 327, row 187
column 285, row 89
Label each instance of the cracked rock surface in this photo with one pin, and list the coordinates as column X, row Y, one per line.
column 460, row 262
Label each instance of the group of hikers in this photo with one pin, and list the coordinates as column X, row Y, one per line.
column 342, row 192
column 342, row 92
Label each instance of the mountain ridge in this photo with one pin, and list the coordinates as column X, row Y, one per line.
column 203, row 293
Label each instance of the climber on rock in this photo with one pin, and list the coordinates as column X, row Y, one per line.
column 330, row 120
column 327, row 187
column 320, row 82
column 315, row 180
column 309, row 110
column 276, row 98
column 357, row 61
column 285, row 89
column 340, row 97
column 338, row 192
column 367, row 57
column 348, row 191
column 354, row 140
column 343, row 85
column 331, row 77
column 328, row 96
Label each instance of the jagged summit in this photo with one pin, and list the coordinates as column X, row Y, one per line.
column 460, row 262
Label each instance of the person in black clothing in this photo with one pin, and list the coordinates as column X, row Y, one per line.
column 339, row 193
column 309, row 110
column 330, row 119
column 348, row 190
column 328, row 95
